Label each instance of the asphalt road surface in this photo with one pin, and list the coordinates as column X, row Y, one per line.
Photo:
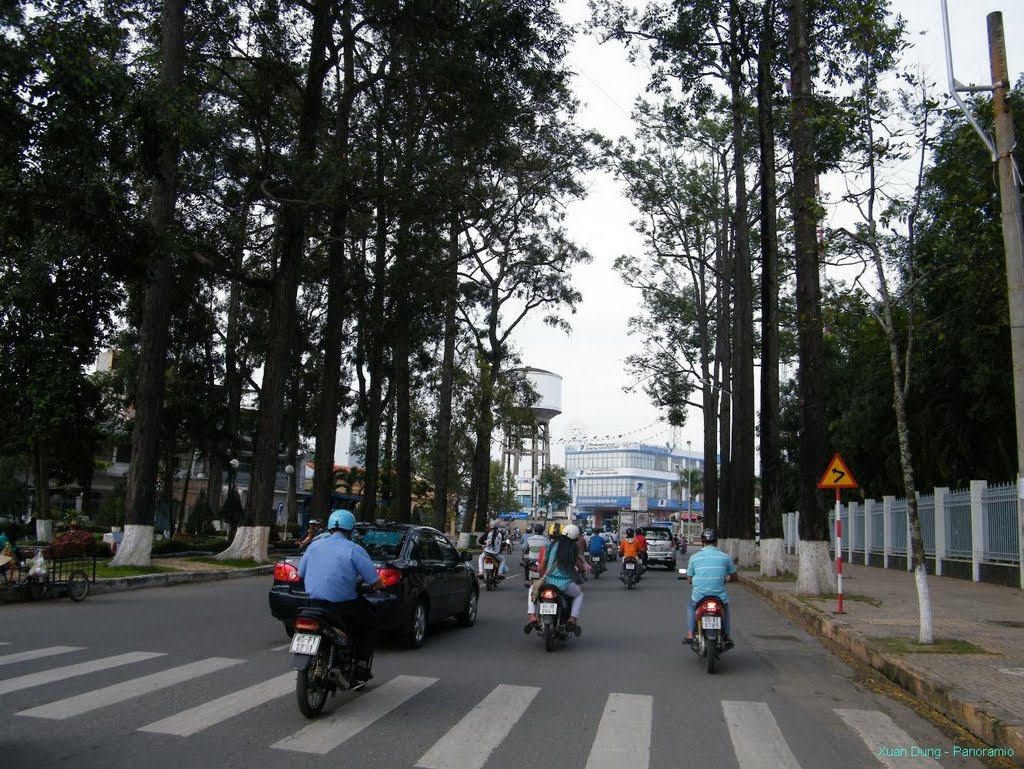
column 199, row 676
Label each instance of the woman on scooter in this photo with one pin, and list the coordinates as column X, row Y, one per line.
column 558, row 569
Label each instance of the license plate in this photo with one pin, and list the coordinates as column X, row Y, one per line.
column 711, row 623
column 304, row 643
column 489, row 566
column 549, row 608
column 630, row 565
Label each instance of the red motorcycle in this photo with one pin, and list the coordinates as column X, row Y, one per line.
column 709, row 637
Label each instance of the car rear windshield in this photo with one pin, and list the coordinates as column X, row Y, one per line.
column 657, row 534
column 379, row 543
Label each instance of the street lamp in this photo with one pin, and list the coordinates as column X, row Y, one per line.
column 689, row 499
column 231, row 479
column 289, row 470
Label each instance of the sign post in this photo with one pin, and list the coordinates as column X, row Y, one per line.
column 838, row 476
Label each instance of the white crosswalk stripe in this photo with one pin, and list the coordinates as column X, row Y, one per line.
column 110, row 695
column 756, row 737
column 892, row 746
column 35, row 654
column 325, row 734
column 469, row 743
column 193, row 720
column 69, row 671
column 624, row 734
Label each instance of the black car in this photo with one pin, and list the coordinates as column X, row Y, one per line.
column 427, row 579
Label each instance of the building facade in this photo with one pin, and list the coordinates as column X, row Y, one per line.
column 603, row 479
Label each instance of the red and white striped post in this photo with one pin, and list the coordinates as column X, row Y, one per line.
column 839, row 554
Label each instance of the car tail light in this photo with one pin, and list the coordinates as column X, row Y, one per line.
column 548, row 594
column 389, row 575
column 285, row 572
column 307, row 624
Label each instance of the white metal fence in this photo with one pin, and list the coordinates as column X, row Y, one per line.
column 979, row 525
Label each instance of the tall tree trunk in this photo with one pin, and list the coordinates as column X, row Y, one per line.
column 443, row 441
column 772, row 553
column 401, row 502
column 724, row 352
column 330, row 381
column 251, row 539
column 816, row 574
column 137, row 545
column 741, row 520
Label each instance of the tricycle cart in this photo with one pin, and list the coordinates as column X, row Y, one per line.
column 70, row 574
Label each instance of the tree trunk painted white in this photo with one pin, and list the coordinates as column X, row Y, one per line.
column 250, row 544
column 924, row 605
column 44, row 530
column 773, row 557
column 136, row 548
column 816, row 574
column 729, row 546
column 746, row 553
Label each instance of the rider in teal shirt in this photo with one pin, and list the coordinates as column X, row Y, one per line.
column 708, row 571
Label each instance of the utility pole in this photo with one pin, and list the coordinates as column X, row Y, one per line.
column 1013, row 234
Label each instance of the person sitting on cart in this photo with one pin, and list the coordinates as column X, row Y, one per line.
column 8, row 551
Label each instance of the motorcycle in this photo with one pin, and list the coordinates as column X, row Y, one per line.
column 531, row 569
column 553, row 608
column 709, row 636
column 597, row 564
column 491, row 568
column 630, row 571
column 323, row 656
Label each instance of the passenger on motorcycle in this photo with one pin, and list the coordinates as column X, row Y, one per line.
column 493, row 542
column 535, row 544
column 559, row 565
column 331, row 568
column 708, row 571
column 641, row 542
column 596, row 547
column 628, row 548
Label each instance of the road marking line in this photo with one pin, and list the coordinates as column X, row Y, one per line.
column 325, row 734
column 188, row 722
column 68, row 671
column 882, row 737
column 36, row 654
column 281, row 648
column 469, row 743
column 756, row 737
column 129, row 690
column 624, row 734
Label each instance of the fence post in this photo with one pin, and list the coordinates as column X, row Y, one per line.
column 906, row 521
column 940, row 528
column 977, row 527
column 869, row 508
column 887, row 529
column 1020, row 528
column 851, row 510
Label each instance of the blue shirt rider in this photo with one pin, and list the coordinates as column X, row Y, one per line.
column 596, row 544
column 331, row 569
column 708, row 571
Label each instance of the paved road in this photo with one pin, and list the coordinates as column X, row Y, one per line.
column 196, row 675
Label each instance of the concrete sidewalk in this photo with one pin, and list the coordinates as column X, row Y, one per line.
column 984, row 693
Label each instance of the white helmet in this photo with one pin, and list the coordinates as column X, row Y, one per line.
column 572, row 531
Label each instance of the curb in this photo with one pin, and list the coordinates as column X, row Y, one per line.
column 1000, row 730
column 120, row 584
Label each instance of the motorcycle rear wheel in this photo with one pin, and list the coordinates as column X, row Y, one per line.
column 312, row 695
column 711, row 653
column 549, row 636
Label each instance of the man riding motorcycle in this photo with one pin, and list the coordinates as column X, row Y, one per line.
column 596, row 550
column 534, row 547
column 558, row 570
column 628, row 548
column 331, row 568
column 493, row 542
column 708, row 571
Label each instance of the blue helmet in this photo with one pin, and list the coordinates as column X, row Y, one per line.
column 341, row 519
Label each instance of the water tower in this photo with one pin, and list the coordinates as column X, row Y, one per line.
column 534, row 440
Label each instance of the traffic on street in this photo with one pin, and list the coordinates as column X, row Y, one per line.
column 201, row 675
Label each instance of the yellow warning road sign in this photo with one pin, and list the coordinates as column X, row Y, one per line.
column 837, row 475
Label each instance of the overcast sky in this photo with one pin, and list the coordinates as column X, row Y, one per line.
column 590, row 359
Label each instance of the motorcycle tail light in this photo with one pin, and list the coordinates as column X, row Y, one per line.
column 548, row 594
column 389, row 575
column 285, row 572
column 307, row 624
column 711, row 606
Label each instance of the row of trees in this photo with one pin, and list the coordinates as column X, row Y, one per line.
column 326, row 208
column 905, row 367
